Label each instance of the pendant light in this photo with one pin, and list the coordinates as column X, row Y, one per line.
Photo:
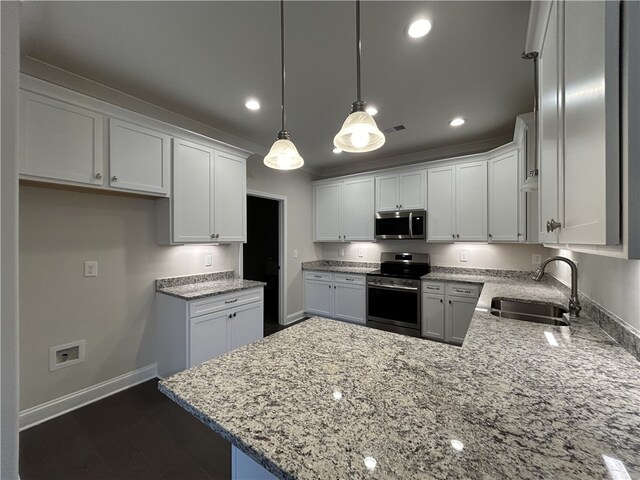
column 359, row 132
column 283, row 154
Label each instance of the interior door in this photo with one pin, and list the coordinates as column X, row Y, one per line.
column 191, row 202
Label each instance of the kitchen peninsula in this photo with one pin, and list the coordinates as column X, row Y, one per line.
column 335, row 400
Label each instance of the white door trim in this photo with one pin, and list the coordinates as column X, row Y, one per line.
column 282, row 277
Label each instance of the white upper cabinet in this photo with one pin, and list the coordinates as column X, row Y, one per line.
column 229, row 198
column 327, row 201
column 209, row 197
column 471, row 202
column 506, row 202
column 591, row 161
column 139, row 158
column 357, row 210
column 402, row 191
column 441, row 216
column 191, row 202
column 60, row 141
column 549, row 126
column 457, row 199
column 579, row 136
column 344, row 211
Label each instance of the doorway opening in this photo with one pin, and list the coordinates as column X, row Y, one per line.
column 263, row 256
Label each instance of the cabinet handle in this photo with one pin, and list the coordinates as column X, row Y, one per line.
column 99, row 176
column 334, row 287
column 114, row 179
column 344, row 237
column 441, row 301
column 318, row 276
column 234, row 315
column 490, row 236
column 213, row 235
column 457, row 235
column 400, row 205
column 453, row 235
column 552, row 225
column 231, row 301
column 433, row 288
column 230, row 315
column 462, row 291
column 349, row 279
column 449, row 301
column 217, row 235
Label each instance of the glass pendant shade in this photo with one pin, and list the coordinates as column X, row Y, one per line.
column 283, row 156
column 359, row 133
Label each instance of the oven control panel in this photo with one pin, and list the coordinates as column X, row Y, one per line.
column 392, row 282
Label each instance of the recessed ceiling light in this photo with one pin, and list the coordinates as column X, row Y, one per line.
column 419, row 28
column 337, row 150
column 252, row 104
column 372, row 111
column 456, row 122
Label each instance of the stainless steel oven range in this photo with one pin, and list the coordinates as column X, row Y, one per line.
column 393, row 292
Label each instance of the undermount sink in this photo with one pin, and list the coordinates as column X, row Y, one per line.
column 545, row 313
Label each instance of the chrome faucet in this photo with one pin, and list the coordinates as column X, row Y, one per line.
column 574, row 303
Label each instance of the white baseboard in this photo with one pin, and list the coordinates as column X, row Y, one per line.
column 294, row 317
column 54, row 408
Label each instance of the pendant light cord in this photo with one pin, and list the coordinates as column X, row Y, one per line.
column 282, row 57
column 358, row 50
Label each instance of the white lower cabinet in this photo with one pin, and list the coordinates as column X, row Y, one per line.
column 338, row 296
column 447, row 310
column 192, row 332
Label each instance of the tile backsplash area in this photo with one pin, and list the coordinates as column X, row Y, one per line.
column 477, row 255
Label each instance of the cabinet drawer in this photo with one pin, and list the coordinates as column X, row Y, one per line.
column 319, row 276
column 349, row 279
column 216, row 304
column 462, row 290
column 428, row 287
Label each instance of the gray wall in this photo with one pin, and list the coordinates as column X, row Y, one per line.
column 612, row 283
column 9, row 54
column 113, row 312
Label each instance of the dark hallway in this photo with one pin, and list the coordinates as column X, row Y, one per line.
column 261, row 254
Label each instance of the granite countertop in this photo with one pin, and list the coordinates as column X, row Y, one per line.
column 194, row 287
column 340, row 266
column 312, row 401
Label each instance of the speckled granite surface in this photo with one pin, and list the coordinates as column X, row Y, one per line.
column 312, row 401
column 191, row 279
column 339, row 266
column 194, row 287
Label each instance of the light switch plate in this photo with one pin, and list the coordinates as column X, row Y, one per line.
column 464, row 256
column 536, row 259
column 295, row 254
column 208, row 260
column 341, row 252
column 361, row 252
column 90, row 269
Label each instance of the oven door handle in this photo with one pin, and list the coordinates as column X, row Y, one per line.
column 392, row 287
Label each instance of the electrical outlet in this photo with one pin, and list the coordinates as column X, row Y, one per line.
column 208, row 260
column 361, row 252
column 295, row 254
column 90, row 269
column 536, row 259
column 464, row 256
column 341, row 252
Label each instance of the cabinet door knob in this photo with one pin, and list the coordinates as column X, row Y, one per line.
column 552, row 225
column 449, row 301
column 98, row 176
column 334, row 287
column 230, row 315
column 457, row 235
column 490, row 236
column 114, row 179
column 400, row 205
column 453, row 235
column 213, row 235
column 441, row 301
column 234, row 315
column 217, row 235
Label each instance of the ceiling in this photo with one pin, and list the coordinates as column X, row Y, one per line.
column 204, row 59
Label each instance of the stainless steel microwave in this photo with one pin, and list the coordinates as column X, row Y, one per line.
column 402, row 225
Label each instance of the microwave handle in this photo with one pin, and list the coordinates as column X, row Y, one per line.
column 411, row 224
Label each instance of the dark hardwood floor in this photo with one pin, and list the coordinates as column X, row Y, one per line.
column 136, row 434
